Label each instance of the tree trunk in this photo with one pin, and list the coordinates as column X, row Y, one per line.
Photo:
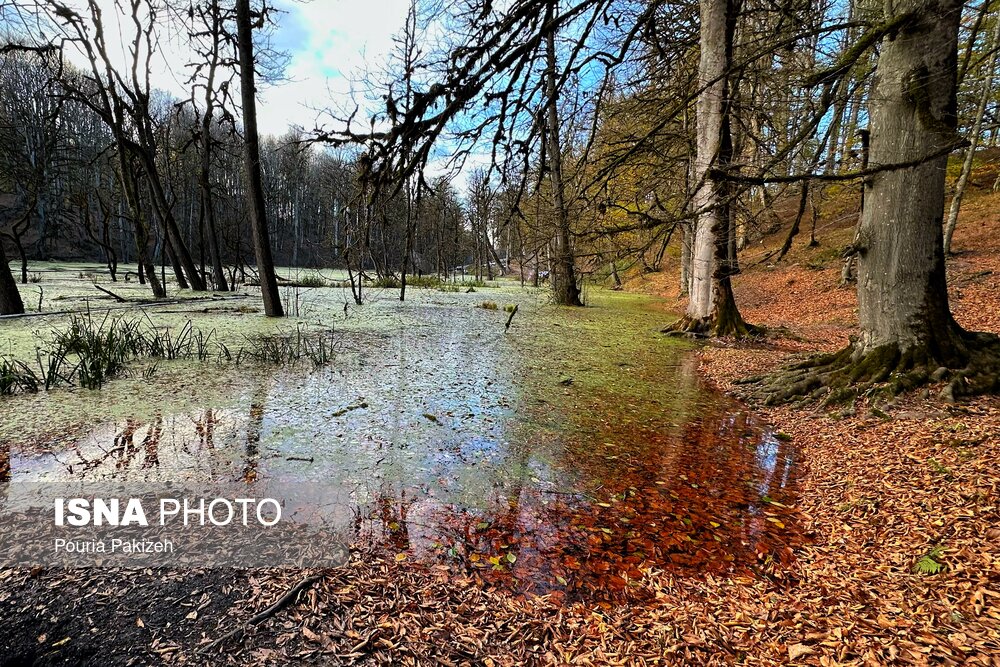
column 567, row 292
column 179, row 253
column 712, row 307
column 208, row 210
column 849, row 132
column 686, row 243
column 204, row 178
column 902, row 296
column 23, row 256
column 908, row 336
column 834, row 143
column 130, row 192
column 175, row 264
column 255, row 188
column 977, row 128
column 410, row 232
column 10, row 298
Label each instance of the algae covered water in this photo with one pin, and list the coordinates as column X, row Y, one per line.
column 570, row 453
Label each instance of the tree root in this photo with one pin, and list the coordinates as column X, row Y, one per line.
column 886, row 372
column 690, row 327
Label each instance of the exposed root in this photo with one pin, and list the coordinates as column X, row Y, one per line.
column 886, row 372
column 690, row 327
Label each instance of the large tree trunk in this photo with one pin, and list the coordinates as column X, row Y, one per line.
column 567, row 292
column 902, row 296
column 711, row 306
column 908, row 335
column 255, row 189
column 10, row 298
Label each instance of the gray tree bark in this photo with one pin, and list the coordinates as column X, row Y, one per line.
column 902, row 296
column 908, row 336
column 255, row 188
column 711, row 306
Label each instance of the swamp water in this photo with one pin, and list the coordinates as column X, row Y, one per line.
column 570, row 453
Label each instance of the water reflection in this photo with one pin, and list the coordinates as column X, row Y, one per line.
column 444, row 447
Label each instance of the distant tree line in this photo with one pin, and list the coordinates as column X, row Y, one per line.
column 98, row 164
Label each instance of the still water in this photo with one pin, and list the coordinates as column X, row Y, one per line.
column 570, row 454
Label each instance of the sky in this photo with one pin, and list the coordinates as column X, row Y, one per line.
column 331, row 43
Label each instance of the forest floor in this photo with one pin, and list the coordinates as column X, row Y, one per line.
column 884, row 486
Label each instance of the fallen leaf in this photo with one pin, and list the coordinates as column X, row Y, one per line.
column 796, row 651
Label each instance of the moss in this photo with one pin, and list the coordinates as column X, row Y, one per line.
column 886, row 371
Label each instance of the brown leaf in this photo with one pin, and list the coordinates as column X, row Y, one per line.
column 796, row 651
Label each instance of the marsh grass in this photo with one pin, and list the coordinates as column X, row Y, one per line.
column 386, row 282
column 281, row 349
column 428, row 281
column 311, row 280
column 16, row 377
column 89, row 351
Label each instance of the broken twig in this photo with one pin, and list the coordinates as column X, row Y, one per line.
column 282, row 602
column 111, row 294
column 510, row 319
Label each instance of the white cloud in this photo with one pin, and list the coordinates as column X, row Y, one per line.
column 331, row 43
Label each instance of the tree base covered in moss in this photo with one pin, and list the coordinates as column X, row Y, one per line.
column 968, row 364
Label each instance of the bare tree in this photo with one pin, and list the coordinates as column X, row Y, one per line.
column 214, row 37
column 712, row 307
column 255, row 189
column 567, row 292
column 986, row 88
